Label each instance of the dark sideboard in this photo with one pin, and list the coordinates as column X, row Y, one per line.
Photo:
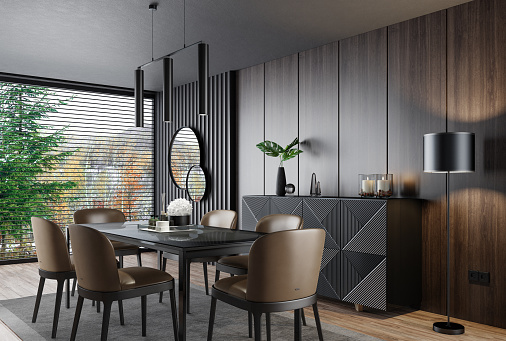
column 372, row 254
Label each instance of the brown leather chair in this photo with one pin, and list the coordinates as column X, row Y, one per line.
column 217, row 218
column 238, row 265
column 283, row 269
column 54, row 263
column 99, row 278
column 108, row 215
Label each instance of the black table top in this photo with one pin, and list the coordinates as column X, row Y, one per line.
column 189, row 236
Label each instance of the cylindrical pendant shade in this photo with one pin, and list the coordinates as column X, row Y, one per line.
column 448, row 152
column 203, row 78
column 139, row 98
column 168, row 68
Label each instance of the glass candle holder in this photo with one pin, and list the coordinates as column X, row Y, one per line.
column 367, row 185
column 384, row 185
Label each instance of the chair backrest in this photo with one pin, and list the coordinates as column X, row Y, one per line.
column 285, row 265
column 279, row 222
column 94, row 259
column 220, row 218
column 51, row 246
column 98, row 215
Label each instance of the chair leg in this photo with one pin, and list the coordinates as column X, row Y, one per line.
column 206, row 281
column 189, row 289
column 77, row 316
column 173, row 311
column 139, row 260
column 143, row 312
column 57, row 305
column 303, row 316
column 164, row 266
column 120, row 262
column 74, row 286
column 98, row 306
column 217, row 276
column 212, row 314
column 256, row 322
column 250, row 324
column 121, row 315
column 67, row 294
column 317, row 319
column 42, row 280
column 105, row 320
column 161, row 297
column 297, row 331
column 268, row 325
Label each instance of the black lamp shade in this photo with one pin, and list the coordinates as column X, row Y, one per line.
column 168, row 68
column 203, row 78
column 448, row 152
column 139, row 98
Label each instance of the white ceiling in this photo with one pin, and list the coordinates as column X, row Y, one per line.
column 103, row 41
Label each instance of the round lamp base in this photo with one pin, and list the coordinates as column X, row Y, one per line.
column 448, row 328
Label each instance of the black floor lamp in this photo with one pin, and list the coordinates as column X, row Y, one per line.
column 448, row 153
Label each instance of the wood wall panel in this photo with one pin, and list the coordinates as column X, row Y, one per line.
column 217, row 134
column 362, row 108
column 250, row 131
column 477, row 103
column 417, row 106
column 318, row 118
column 281, row 117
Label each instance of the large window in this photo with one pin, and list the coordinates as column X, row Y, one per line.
column 64, row 150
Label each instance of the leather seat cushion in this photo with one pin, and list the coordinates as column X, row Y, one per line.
column 135, row 277
column 240, row 262
column 123, row 246
column 235, row 286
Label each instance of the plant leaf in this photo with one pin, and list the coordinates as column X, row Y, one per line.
column 294, row 142
column 291, row 154
column 270, row 148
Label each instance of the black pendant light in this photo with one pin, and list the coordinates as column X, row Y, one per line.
column 168, row 82
column 203, row 78
column 139, row 98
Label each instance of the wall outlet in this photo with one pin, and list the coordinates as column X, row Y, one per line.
column 484, row 277
column 473, row 276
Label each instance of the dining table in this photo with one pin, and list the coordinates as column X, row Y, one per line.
column 188, row 242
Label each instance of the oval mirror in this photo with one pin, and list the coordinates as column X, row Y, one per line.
column 196, row 183
column 184, row 152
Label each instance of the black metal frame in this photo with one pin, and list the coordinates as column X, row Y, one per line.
column 61, row 277
column 259, row 308
column 108, row 297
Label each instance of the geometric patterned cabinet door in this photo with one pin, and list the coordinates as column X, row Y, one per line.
column 372, row 252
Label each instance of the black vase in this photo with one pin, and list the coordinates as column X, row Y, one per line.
column 281, row 182
column 180, row 220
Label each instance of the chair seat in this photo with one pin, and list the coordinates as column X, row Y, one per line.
column 235, row 286
column 240, row 262
column 123, row 246
column 135, row 277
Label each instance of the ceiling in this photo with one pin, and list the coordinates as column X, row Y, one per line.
column 103, row 42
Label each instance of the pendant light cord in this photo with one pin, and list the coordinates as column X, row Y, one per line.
column 184, row 23
column 152, row 39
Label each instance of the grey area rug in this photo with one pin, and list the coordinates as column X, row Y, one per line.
column 231, row 323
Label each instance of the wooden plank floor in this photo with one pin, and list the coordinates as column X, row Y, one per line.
column 21, row 280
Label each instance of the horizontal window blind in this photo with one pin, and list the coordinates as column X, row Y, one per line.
column 63, row 150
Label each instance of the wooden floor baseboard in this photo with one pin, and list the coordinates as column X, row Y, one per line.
column 21, row 280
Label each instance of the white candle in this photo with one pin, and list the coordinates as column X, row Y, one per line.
column 383, row 185
column 367, row 186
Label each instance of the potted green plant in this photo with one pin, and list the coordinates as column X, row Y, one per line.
column 275, row 150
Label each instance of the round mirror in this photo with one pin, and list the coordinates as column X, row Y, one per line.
column 196, row 183
column 184, row 152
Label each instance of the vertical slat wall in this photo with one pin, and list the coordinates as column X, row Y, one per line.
column 216, row 133
column 443, row 71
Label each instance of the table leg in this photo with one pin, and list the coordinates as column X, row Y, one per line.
column 183, row 290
